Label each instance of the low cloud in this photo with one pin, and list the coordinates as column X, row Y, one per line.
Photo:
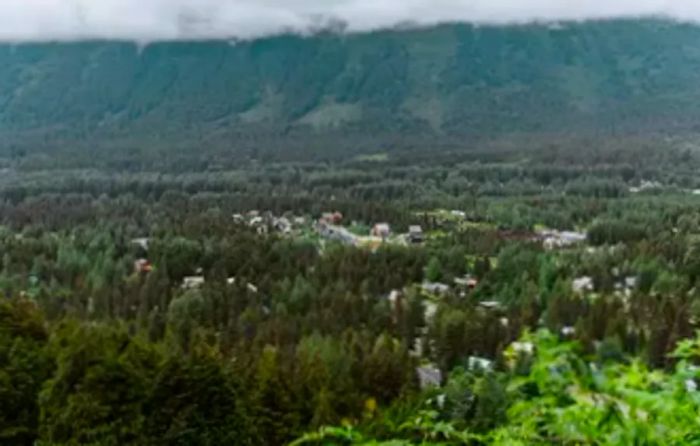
column 147, row 20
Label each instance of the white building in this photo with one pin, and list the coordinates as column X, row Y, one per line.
column 435, row 287
column 478, row 363
column 429, row 376
column 382, row 230
column 523, row 347
column 141, row 242
column 490, row 304
column 582, row 284
column 552, row 239
column 192, row 282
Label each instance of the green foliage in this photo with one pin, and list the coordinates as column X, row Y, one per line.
column 561, row 399
column 568, row 401
column 197, row 400
column 101, row 381
column 25, row 364
column 433, row 272
column 289, row 332
column 185, row 314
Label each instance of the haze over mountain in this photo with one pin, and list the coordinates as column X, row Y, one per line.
column 147, row 20
column 446, row 85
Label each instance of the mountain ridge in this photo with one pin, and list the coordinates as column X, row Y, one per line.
column 450, row 85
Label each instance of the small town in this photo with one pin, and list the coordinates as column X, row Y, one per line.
column 349, row 223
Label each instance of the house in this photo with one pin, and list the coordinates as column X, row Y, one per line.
column 459, row 214
column 435, row 287
column 526, row 348
column 394, row 297
column 141, row 242
column 381, row 230
column 582, row 284
column 238, row 219
column 627, row 286
column 142, row 266
column 332, row 218
column 192, row 282
column 467, row 282
column 283, row 225
column 478, row 363
column 552, row 239
column 429, row 376
column 490, row 304
column 336, row 233
column 646, row 185
column 259, row 224
column 415, row 234
column 568, row 331
column 572, row 237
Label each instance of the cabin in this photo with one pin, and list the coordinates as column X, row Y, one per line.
column 142, row 266
column 466, row 283
column 582, row 284
column 568, row 331
column 479, row 363
column 523, row 348
column 552, row 239
column 192, row 282
column 283, row 225
column 142, row 242
column 332, row 218
column 415, row 234
column 381, row 230
column 435, row 287
column 490, row 304
column 429, row 376
column 394, row 297
column 336, row 233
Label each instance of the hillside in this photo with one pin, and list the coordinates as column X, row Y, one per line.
column 448, row 86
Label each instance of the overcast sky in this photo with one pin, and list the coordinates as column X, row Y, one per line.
column 187, row 19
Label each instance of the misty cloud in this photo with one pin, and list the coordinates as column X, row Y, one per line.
column 199, row 19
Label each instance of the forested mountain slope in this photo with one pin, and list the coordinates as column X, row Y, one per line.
column 445, row 85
